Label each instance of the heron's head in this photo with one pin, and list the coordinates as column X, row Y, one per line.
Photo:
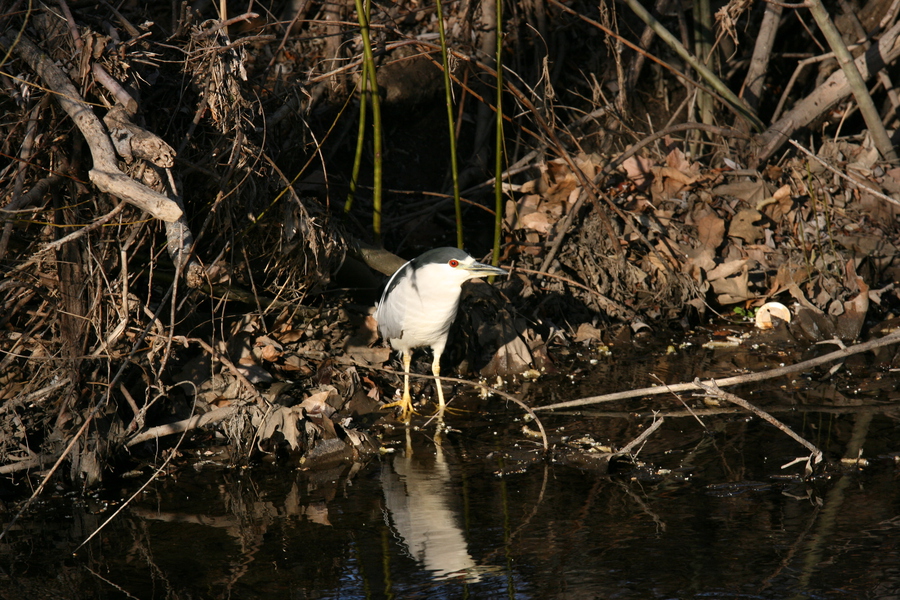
column 451, row 265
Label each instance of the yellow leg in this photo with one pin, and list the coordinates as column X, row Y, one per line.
column 405, row 403
column 436, row 371
column 406, row 410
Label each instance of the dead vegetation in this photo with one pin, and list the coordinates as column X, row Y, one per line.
column 171, row 185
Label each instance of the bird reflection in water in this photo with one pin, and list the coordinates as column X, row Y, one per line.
column 418, row 495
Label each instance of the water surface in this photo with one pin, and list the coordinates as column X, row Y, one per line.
column 705, row 511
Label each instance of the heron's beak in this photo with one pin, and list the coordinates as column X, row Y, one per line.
column 482, row 270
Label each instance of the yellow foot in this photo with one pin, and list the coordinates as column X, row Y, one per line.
column 406, row 408
column 451, row 411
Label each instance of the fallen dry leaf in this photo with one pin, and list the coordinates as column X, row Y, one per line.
column 292, row 362
column 284, row 420
column 743, row 225
column 734, row 289
column 675, row 175
column 317, row 404
column 677, row 159
column 269, row 352
column 639, row 169
column 710, row 230
column 290, row 336
column 537, row 221
column 376, row 355
column 726, row 269
column 751, row 192
column 587, row 332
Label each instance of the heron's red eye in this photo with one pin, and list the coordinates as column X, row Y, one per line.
column 453, row 263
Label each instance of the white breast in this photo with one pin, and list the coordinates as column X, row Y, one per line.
column 419, row 309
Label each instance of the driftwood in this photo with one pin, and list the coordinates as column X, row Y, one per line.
column 194, row 422
column 26, row 464
column 693, row 413
column 629, row 448
column 246, row 186
column 132, row 141
column 105, row 173
column 835, row 89
column 762, row 52
column 115, row 88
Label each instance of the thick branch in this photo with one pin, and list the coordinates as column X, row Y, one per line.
column 105, row 174
column 194, row 422
column 854, row 80
column 835, row 89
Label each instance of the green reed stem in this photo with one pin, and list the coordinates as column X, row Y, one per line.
column 362, row 15
column 360, row 137
column 498, row 151
column 448, row 91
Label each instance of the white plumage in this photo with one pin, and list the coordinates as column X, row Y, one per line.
column 419, row 305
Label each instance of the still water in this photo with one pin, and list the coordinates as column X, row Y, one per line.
column 706, row 511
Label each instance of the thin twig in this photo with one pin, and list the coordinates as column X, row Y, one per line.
column 139, row 491
column 8, row 405
column 225, row 361
column 694, row 413
column 713, row 390
column 842, row 175
column 677, row 128
column 610, row 305
column 828, row 94
column 891, row 338
column 867, row 108
column 224, row 24
column 481, row 386
column 613, row 165
column 105, row 172
column 72, row 236
column 657, row 423
column 719, row 88
column 100, row 404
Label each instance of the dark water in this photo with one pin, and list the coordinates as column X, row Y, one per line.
column 705, row 512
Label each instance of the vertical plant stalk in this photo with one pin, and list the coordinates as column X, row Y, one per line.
column 714, row 82
column 362, row 14
column 801, row 226
column 854, row 78
column 703, row 47
column 762, row 52
column 448, row 91
column 223, row 15
column 703, row 44
column 498, row 150
column 360, row 137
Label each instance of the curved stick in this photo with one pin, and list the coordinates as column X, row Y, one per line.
column 891, row 338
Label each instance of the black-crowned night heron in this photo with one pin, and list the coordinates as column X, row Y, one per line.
column 419, row 305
